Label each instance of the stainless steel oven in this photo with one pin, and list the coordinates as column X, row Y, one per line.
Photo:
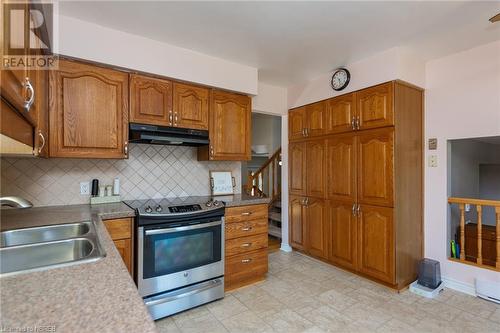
column 180, row 256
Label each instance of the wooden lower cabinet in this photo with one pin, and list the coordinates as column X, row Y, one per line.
column 296, row 222
column 343, row 234
column 376, row 243
column 121, row 232
column 245, row 245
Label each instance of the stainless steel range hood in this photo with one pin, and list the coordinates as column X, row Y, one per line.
column 163, row 135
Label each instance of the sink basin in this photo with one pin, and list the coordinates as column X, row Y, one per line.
column 32, row 249
column 43, row 234
column 27, row 257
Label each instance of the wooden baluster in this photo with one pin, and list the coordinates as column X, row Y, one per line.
column 271, row 179
column 462, row 231
column 497, row 211
column 479, row 259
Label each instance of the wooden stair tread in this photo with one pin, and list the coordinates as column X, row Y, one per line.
column 275, row 216
column 274, row 231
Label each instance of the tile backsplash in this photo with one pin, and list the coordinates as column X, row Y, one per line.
column 151, row 171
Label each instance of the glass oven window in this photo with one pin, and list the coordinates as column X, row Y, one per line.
column 173, row 252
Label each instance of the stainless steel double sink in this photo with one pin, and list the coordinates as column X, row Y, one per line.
column 30, row 249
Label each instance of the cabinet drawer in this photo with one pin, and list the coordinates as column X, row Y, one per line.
column 119, row 228
column 247, row 266
column 245, row 213
column 248, row 228
column 245, row 244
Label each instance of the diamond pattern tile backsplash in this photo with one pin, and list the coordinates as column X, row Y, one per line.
column 151, row 171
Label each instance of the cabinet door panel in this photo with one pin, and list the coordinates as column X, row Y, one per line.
column 316, row 119
column 341, row 167
column 376, row 242
column 375, row 106
column 316, row 227
column 124, row 247
column 190, row 106
column 376, row 167
column 150, row 100
column 297, row 232
column 340, row 113
column 297, row 161
column 296, row 123
column 315, row 168
column 88, row 111
column 343, row 234
column 230, row 118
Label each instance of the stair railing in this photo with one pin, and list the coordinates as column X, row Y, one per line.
column 465, row 206
column 268, row 178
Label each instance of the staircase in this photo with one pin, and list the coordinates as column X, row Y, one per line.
column 267, row 182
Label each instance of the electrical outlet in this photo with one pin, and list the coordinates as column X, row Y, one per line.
column 433, row 161
column 84, row 188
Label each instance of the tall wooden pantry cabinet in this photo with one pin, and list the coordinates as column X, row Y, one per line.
column 356, row 168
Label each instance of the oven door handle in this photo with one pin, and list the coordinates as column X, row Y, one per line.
column 177, row 229
column 176, row 295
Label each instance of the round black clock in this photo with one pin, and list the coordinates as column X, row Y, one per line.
column 340, row 79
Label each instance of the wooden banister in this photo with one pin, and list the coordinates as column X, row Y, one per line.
column 268, row 171
column 466, row 257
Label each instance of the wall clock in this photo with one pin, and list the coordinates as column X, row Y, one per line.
column 340, row 79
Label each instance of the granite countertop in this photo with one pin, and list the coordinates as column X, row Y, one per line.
column 90, row 297
column 242, row 199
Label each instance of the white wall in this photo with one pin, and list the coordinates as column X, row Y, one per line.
column 395, row 63
column 86, row 40
column 462, row 99
column 270, row 99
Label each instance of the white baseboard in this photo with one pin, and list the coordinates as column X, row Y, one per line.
column 466, row 288
column 285, row 247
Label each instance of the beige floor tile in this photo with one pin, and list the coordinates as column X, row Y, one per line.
column 366, row 317
column 302, row 305
column 188, row 315
column 250, row 292
column 471, row 304
column 246, row 322
column 226, row 307
column 328, row 319
column 287, row 321
column 438, row 310
column 396, row 325
column 336, row 300
column 467, row 322
column 407, row 313
column 263, row 305
column 495, row 316
column 206, row 323
column 167, row 325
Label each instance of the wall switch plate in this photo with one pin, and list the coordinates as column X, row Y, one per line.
column 84, row 188
column 433, row 144
column 433, row 161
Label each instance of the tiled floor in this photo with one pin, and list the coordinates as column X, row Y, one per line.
column 304, row 295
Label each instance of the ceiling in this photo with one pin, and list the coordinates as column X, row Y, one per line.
column 291, row 42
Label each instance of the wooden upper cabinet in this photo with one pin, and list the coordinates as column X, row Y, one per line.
column 341, row 113
column 316, row 227
column 297, row 223
column 341, row 167
column 316, row 119
column 88, row 111
column 297, row 168
column 376, row 167
column 315, row 168
column 376, row 242
column 343, row 234
column 230, row 126
column 375, row 106
column 297, row 123
column 190, row 106
column 150, row 100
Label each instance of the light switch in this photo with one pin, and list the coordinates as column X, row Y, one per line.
column 433, row 161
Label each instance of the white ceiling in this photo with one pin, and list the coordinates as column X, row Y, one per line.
column 291, row 42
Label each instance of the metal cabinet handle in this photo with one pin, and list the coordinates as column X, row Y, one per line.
column 246, row 261
column 211, row 151
column 358, row 122
column 358, row 210
column 246, row 228
column 43, row 142
column 31, row 93
column 354, row 209
column 246, row 244
column 125, row 148
column 353, row 123
column 175, row 119
column 246, row 213
column 304, row 132
column 170, row 118
column 307, row 131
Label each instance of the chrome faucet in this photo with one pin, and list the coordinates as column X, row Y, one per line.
column 16, row 202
